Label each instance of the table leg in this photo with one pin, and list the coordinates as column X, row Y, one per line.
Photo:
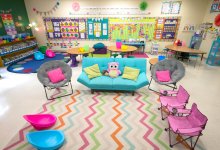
column 202, row 57
column 74, row 61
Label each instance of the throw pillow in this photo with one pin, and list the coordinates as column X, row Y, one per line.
column 98, row 46
column 56, row 75
column 93, row 71
column 163, row 76
column 131, row 73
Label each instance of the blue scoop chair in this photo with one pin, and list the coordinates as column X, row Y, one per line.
column 38, row 55
column 46, row 140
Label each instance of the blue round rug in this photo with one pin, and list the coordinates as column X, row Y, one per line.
column 30, row 65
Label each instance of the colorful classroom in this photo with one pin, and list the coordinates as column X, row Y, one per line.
column 109, row 74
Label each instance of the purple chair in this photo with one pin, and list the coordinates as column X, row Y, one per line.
column 188, row 126
column 173, row 99
column 49, row 53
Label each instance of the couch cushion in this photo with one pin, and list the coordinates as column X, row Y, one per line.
column 102, row 82
column 139, row 63
column 102, row 62
column 130, row 85
column 93, row 71
column 131, row 73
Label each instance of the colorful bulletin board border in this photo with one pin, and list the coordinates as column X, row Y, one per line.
column 131, row 28
column 215, row 7
column 166, row 28
column 171, row 7
column 65, row 28
column 97, row 28
column 8, row 24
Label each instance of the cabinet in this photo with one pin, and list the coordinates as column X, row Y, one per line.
column 214, row 54
column 17, row 50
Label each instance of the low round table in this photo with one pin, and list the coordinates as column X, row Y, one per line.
column 75, row 52
column 128, row 50
column 153, row 61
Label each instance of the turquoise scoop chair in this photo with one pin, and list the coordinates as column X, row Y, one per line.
column 46, row 140
column 38, row 55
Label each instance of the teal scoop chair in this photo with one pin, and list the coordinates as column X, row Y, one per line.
column 46, row 140
column 38, row 55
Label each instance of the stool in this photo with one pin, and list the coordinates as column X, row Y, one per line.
column 122, row 55
column 165, row 50
column 114, row 55
column 130, row 56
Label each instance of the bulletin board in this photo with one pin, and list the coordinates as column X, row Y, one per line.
column 97, row 28
column 65, row 28
column 166, row 29
column 215, row 6
column 8, row 24
column 131, row 28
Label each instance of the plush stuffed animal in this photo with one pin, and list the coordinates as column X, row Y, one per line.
column 113, row 70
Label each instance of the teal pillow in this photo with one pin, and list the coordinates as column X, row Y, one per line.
column 99, row 45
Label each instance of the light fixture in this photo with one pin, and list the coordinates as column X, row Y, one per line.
column 34, row 25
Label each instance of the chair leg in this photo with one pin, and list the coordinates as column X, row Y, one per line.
column 196, row 141
column 170, row 137
column 68, row 84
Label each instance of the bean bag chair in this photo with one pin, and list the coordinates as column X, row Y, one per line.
column 38, row 55
column 49, row 53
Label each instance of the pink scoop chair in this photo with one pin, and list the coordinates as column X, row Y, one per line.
column 173, row 99
column 41, row 121
column 188, row 126
column 49, row 53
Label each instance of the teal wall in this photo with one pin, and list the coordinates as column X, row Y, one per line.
column 18, row 9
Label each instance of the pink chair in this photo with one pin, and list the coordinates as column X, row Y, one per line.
column 49, row 53
column 173, row 99
column 41, row 121
column 188, row 126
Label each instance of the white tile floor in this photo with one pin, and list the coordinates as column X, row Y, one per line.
column 22, row 94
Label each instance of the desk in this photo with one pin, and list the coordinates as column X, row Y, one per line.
column 75, row 52
column 138, row 44
column 184, row 49
column 114, row 49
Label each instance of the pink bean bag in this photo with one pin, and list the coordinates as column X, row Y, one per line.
column 49, row 53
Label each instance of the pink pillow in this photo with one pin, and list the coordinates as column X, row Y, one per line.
column 56, row 75
column 163, row 76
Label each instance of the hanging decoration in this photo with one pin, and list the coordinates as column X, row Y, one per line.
column 108, row 11
column 143, row 5
column 171, row 7
column 5, row 11
column 76, row 6
column 53, row 9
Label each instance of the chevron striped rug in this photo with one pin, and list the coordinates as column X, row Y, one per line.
column 105, row 121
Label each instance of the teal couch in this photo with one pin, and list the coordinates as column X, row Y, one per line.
column 119, row 83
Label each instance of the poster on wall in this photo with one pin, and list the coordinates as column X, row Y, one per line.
column 8, row 24
column 65, row 28
column 171, row 7
column 166, row 29
column 215, row 7
column 131, row 28
column 97, row 28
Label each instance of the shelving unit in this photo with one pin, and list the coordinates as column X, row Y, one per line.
column 214, row 54
column 16, row 51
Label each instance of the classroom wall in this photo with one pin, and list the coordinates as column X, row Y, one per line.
column 18, row 9
column 208, row 17
column 192, row 12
